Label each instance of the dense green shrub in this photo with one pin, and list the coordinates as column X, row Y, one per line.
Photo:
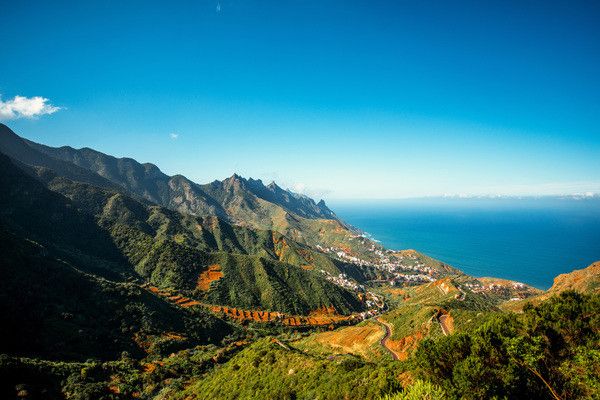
column 420, row 390
column 550, row 351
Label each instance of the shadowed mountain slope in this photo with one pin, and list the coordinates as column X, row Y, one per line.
column 239, row 201
column 52, row 309
column 118, row 237
column 63, row 275
column 19, row 149
column 178, row 192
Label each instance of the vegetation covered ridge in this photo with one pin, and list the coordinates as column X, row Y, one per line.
column 240, row 201
column 121, row 282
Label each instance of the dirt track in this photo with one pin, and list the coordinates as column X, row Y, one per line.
column 388, row 333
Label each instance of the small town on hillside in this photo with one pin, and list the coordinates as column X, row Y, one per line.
column 406, row 268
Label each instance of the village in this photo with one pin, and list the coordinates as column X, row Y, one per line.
column 400, row 269
column 373, row 302
column 403, row 268
column 514, row 290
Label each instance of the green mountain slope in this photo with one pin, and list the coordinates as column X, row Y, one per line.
column 171, row 250
column 63, row 275
column 118, row 237
column 19, row 149
column 178, row 192
column 51, row 309
column 239, row 201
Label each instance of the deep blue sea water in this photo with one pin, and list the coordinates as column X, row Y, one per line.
column 528, row 240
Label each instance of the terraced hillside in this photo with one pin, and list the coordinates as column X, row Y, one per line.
column 238, row 201
column 324, row 316
column 171, row 289
column 168, row 249
column 53, row 309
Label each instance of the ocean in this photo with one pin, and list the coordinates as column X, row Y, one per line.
column 528, row 240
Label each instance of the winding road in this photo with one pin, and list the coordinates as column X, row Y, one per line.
column 388, row 333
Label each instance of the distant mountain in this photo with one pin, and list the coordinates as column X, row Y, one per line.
column 239, row 201
column 178, row 192
column 117, row 237
column 20, row 150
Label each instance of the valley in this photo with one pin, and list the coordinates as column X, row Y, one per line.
column 153, row 286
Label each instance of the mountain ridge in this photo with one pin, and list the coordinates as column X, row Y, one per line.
column 170, row 249
column 240, row 201
column 94, row 265
column 135, row 176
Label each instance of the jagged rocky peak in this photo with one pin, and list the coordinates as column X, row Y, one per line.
column 235, row 183
column 274, row 186
column 230, row 180
column 224, row 183
column 235, row 178
column 285, row 193
column 325, row 209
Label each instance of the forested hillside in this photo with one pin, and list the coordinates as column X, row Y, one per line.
column 118, row 237
column 122, row 282
column 239, row 201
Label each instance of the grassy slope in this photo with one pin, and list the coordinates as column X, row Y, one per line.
column 361, row 340
column 52, row 309
column 170, row 250
column 243, row 202
column 586, row 280
column 265, row 370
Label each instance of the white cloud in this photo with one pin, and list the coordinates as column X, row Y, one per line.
column 173, row 135
column 544, row 189
column 582, row 189
column 26, row 107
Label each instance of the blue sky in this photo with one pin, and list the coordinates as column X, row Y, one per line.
column 336, row 99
